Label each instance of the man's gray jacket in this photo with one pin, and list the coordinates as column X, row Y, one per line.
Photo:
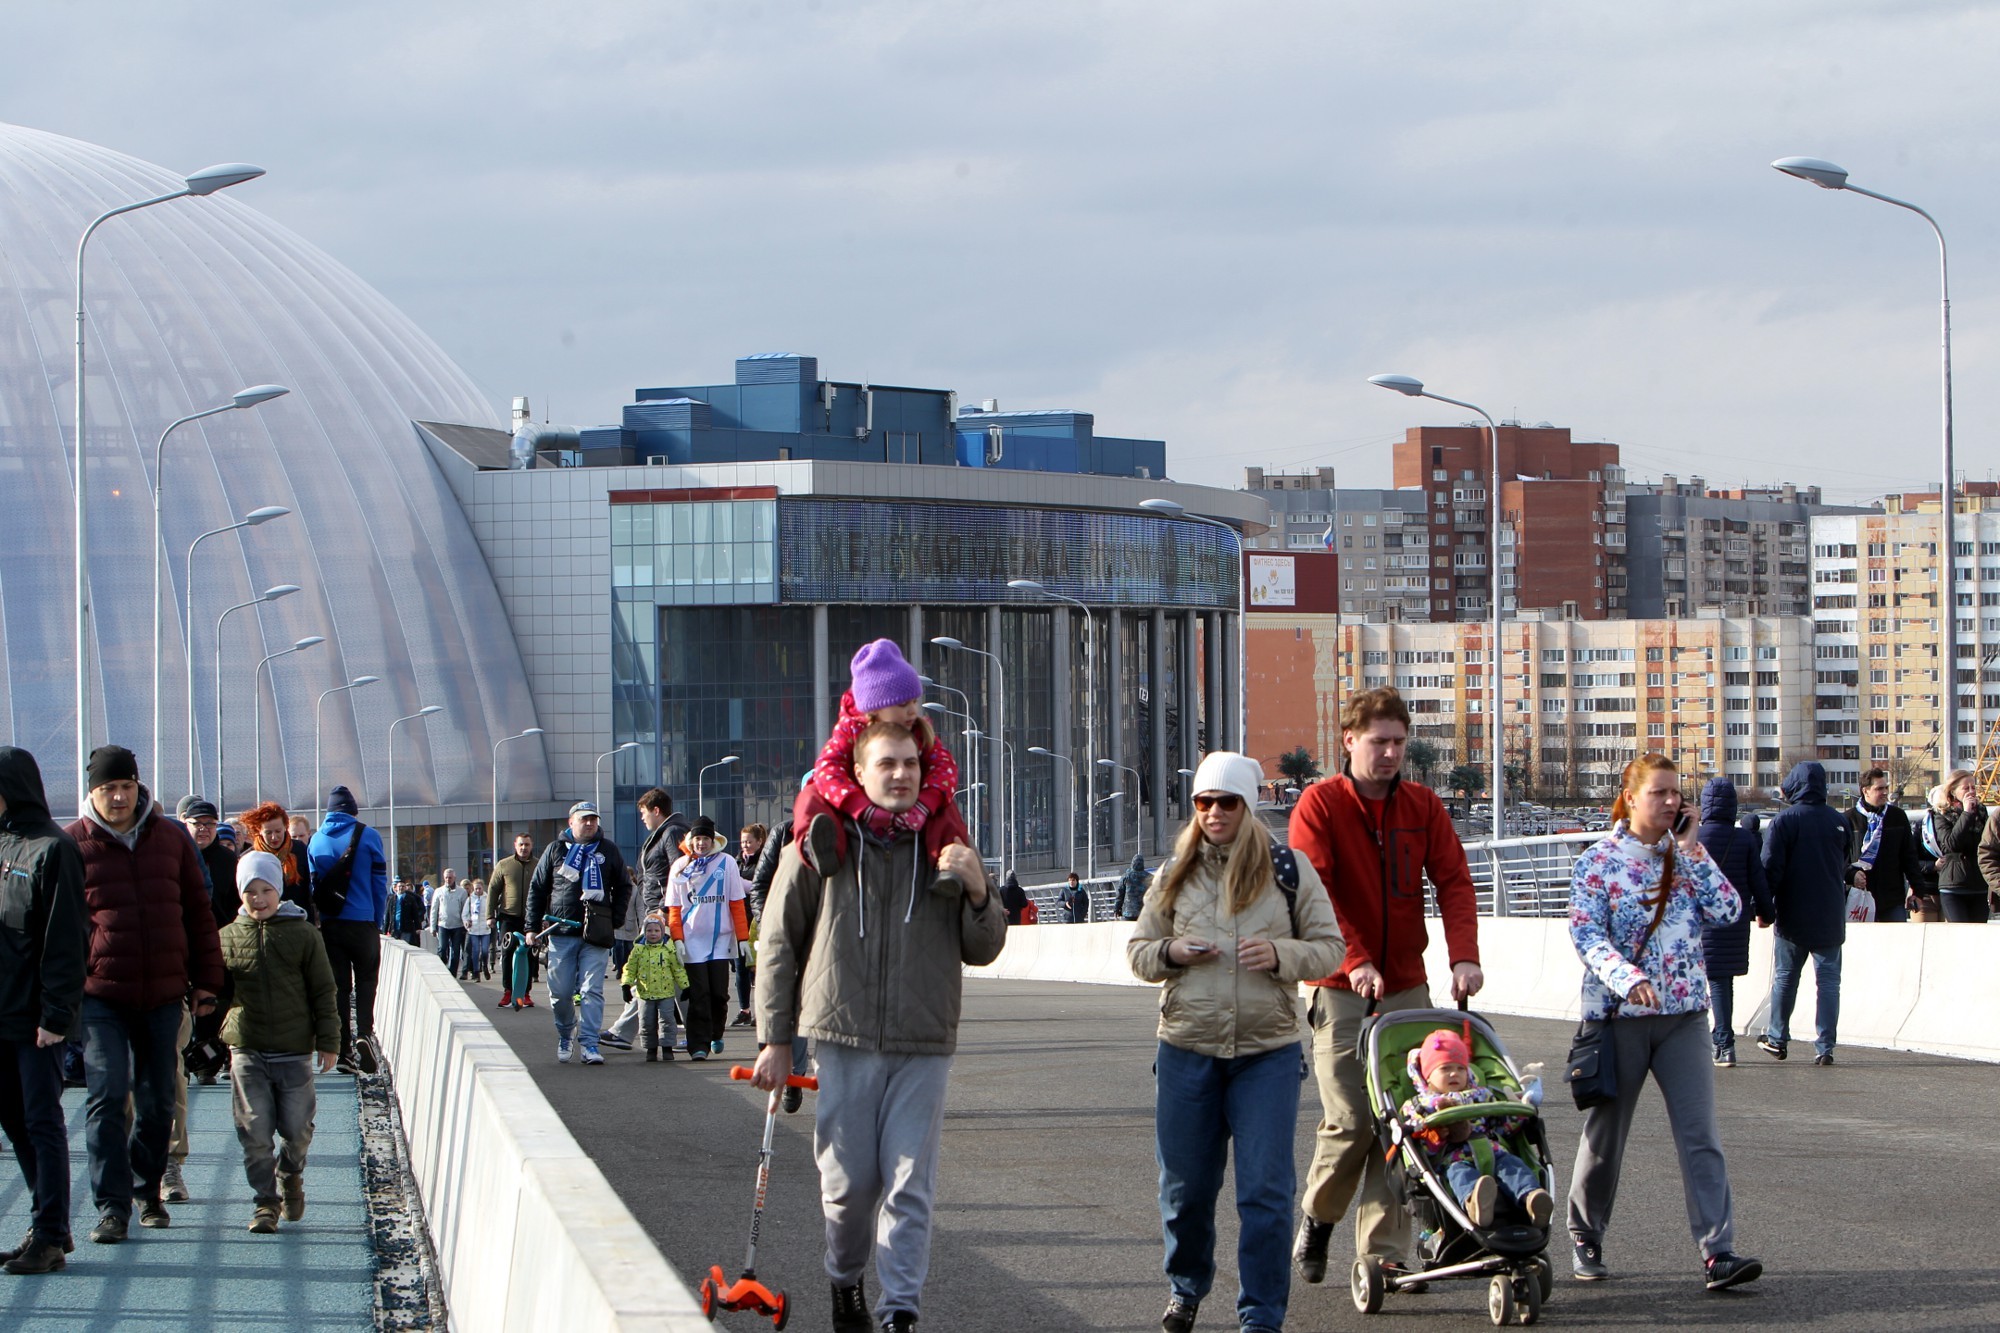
column 871, row 958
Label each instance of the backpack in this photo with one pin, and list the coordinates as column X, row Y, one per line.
column 1284, row 869
column 330, row 887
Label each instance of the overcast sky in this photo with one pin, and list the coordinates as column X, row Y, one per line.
column 1207, row 223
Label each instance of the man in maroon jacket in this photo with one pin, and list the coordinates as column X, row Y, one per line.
column 153, row 945
column 1373, row 837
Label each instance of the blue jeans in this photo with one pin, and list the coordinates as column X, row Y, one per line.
column 1203, row 1102
column 128, row 1053
column 577, row 969
column 1788, row 962
column 451, row 947
column 1722, row 1009
column 1513, row 1174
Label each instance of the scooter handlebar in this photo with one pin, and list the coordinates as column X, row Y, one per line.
column 741, row 1073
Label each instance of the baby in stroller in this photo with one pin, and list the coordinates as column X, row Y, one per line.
column 1474, row 1163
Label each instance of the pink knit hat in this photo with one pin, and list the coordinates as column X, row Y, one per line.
column 882, row 678
column 1443, row 1047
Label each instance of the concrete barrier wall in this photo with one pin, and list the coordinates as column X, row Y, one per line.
column 1931, row 988
column 528, row 1232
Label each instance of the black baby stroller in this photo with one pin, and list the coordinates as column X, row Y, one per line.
column 1448, row 1244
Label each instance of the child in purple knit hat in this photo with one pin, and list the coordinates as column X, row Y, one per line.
column 885, row 689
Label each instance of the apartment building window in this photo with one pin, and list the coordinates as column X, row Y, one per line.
column 1656, row 654
column 1655, row 677
column 1656, row 730
column 1368, row 520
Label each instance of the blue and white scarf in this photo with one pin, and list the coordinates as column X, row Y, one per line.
column 1871, row 842
column 587, row 863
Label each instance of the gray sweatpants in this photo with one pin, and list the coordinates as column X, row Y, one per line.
column 880, row 1125
column 273, row 1099
column 1676, row 1049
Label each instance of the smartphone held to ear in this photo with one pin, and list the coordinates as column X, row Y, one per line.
column 1683, row 822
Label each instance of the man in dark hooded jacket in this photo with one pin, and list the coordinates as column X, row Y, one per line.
column 1725, row 950
column 43, row 948
column 1805, row 862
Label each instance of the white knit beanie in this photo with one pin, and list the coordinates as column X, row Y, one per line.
column 1227, row 771
column 259, row 865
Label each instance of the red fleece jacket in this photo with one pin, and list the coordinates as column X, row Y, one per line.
column 1374, row 855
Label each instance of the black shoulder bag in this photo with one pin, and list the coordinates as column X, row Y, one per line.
column 330, row 887
column 1592, row 1069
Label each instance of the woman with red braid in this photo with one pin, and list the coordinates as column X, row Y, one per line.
column 706, row 918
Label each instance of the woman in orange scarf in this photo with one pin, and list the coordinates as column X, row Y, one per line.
column 270, row 831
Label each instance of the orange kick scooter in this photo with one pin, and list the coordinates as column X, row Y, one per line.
column 747, row 1293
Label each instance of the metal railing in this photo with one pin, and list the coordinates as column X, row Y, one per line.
column 1532, row 874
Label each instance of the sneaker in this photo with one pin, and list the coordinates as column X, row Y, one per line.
column 1180, row 1314
column 1540, row 1206
column 506, row 999
column 614, row 1041
column 742, row 1019
column 345, row 1065
column 898, row 1321
column 1483, row 1204
column 172, row 1188
column 1725, row 1057
column 792, row 1099
column 110, row 1229
column 1774, row 1049
column 265, row 1220
column 293, row 1188
column 1309, row 1248
column 1823, row 1058
column 850, row 1310
column 1730, row 1270
column 591, row 1057
column 37, row 1256
column 701, row 1054
column 365, row 1057
column 715, row 1047
column 563, row 1046
column 153, row 1213
column 527, row 1001
column 1587, row 1262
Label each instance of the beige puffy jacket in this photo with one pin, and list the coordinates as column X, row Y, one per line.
column 1220, row 1008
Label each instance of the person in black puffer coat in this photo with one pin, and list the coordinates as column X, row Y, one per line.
column 1957, row 822
column 1726, row 949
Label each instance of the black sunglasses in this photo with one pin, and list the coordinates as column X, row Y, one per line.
column 1226, row 803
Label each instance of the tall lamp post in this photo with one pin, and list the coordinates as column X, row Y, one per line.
column 700, row 801
column 394, row 865
column 970, row 729
column 1830, row 177
column 1175, row 509
column 257, row 710
column 597, row 771
column 1065, row 760
column 1090, row 718
column 271, row 594
column 1001, row 803
column 519, row 735
column 204, row 182
column 319, row 722
column 262, row 393
column 1414, row 388
column 1138, row 789
column 249, row 520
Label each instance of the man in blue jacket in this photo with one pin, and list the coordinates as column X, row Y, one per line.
column 347, row 857
column 1805, row 864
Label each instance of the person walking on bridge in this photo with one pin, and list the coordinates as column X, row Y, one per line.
column 508, row 892
column 577, row 896
column 870, row 962
column 1805, row 863
column 1373, row 836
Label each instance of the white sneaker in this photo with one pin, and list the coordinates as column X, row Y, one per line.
column 591, row 1057
column 562, row 1050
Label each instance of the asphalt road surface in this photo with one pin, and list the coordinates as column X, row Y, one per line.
column 1868, row 1189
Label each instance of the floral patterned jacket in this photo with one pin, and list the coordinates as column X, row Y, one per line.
column 1608, row 916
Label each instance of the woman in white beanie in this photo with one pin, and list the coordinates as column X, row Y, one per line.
column 1231, row 927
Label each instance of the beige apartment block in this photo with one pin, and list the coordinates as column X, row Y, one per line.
column 1721, row 695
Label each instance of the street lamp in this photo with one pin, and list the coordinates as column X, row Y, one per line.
column 1830, row 177
column 271, row 594
column 1004, row 806
column 394, row 865
column 262, row 393
column 249, row 520
column 1414, row 388
column 1175, row 509
column 702, row 775
column 970, row 729
column 257, row 710
column 531, row 731
column 1065, row 760
column 1090, row 716
column 319, row 719
column 204, row 182
column 597, row 774
column 1138, row 786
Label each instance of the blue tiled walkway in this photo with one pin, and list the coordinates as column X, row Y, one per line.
column 206, row 1271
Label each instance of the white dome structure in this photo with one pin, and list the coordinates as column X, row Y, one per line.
column 188, row 302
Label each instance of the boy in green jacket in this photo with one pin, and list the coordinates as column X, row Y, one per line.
column 284, row 1013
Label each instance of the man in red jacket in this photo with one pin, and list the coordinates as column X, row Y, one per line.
column 153, row 945
column 1373, row 837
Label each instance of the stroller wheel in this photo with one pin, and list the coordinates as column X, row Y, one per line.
column 1365, row 1282
column 1500, row 1300
column 1528, row 1298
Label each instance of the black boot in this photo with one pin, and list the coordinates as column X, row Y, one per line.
column 850, row 1305
column 1180, row 1314
column 1309, row 1248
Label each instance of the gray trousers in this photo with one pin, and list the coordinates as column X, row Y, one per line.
column 880, row 1126
column 1676, row 1050
column 272, row 1099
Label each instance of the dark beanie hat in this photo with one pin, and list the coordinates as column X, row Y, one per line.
column 196, row 807
column 703, row 827
column 340, row 801
column 112, row 763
